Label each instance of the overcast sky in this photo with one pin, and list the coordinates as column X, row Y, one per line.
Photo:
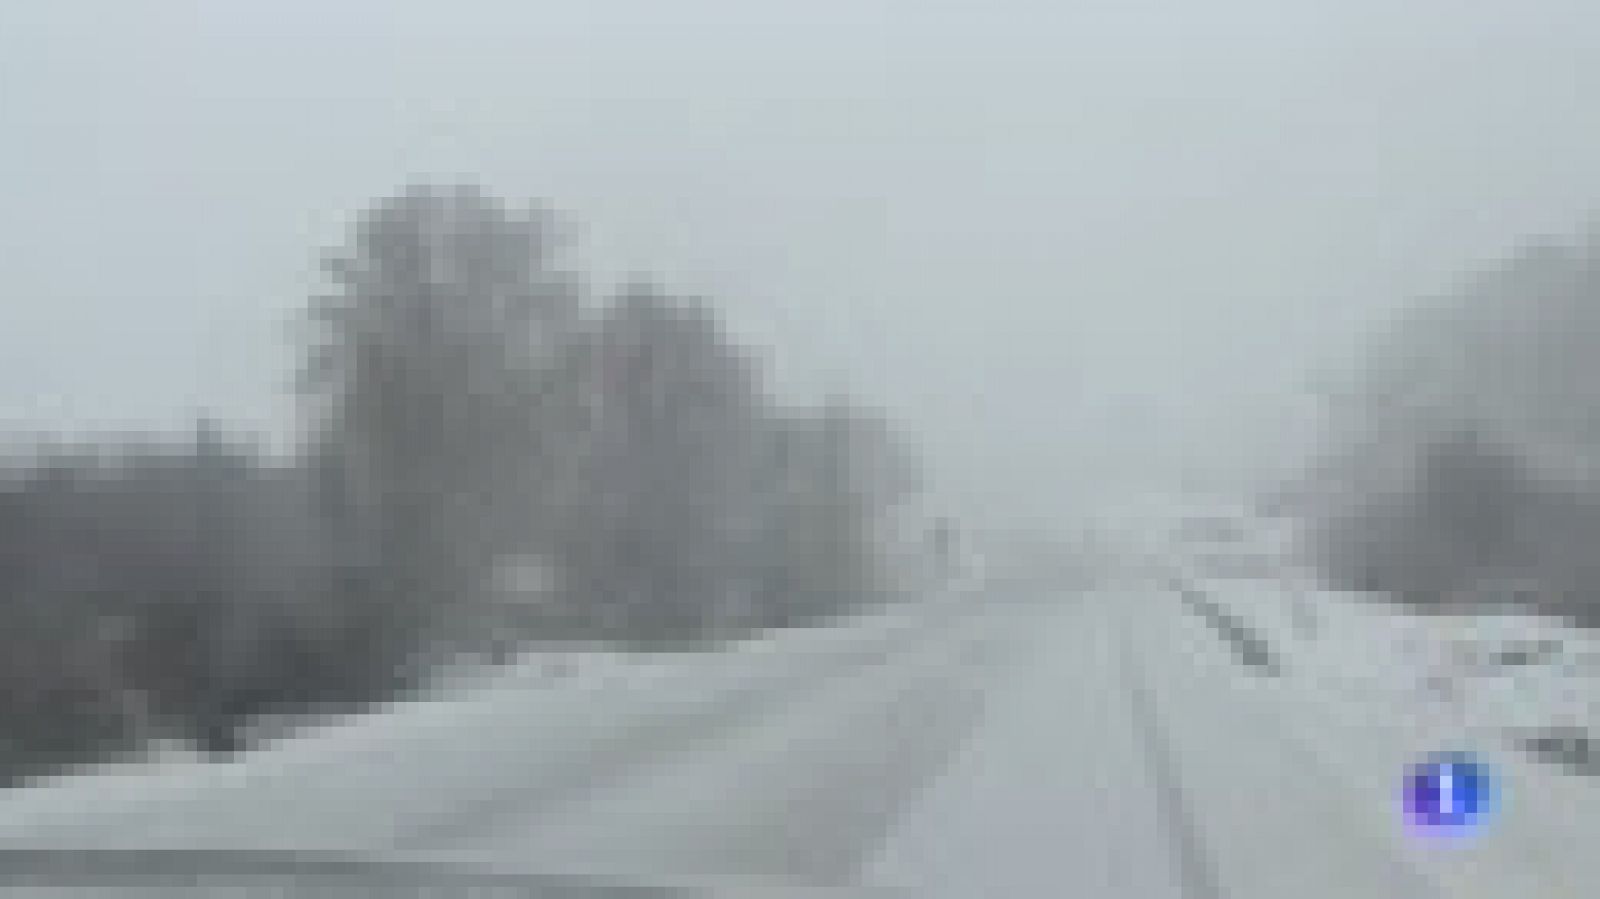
column 1065, row 243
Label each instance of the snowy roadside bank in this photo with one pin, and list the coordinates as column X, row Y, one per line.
column 360, row 782
column 1527, row 681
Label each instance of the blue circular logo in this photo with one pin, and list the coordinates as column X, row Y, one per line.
column 1448, row 792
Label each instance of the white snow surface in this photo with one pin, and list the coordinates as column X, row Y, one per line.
column 355, row 783
column 1374, row 688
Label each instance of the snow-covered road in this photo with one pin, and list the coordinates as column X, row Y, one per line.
column 1105, row 744
column 1136, row 755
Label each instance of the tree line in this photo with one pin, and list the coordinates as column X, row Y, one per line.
column 1464, row 466
column 467, row 404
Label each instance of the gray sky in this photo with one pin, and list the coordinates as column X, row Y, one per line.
column 1065, row 243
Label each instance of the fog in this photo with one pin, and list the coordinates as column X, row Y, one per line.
column 1069, row 246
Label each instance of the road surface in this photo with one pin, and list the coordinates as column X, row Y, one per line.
column 1031, row 743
